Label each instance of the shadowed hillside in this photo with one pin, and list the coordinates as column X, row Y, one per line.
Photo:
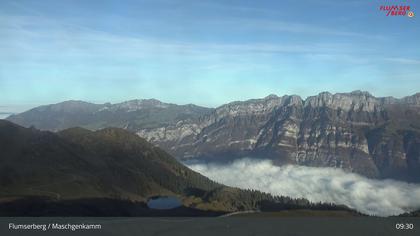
column 45, row 173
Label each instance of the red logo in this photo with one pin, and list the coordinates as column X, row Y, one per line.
column 397, row 10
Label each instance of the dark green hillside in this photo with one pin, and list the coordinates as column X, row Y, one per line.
column 110, row 172
column 79, row 163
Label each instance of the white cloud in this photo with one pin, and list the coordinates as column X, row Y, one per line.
column 43, row 37
column 369, row 196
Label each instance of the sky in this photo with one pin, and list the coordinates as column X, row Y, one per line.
column 201, row 51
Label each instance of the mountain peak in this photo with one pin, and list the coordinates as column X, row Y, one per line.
column 271, row 96
column 412, row 100
column 361, row 93
column 324, row 93
column 69, row 106
column 346, row 101
column 138, row 104
column 150, row 101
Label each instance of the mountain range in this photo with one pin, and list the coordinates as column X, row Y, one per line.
column 112, row 172
column 371, row 136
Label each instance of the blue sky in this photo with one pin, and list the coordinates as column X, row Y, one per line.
column 203, row 52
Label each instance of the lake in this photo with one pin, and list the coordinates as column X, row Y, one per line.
column 164, row 202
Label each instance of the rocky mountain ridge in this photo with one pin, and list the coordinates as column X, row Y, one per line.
column 375, row 137
column 133, row 114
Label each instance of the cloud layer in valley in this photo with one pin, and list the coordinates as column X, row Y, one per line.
column 369, row 196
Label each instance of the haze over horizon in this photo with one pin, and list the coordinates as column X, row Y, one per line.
column 202, row 52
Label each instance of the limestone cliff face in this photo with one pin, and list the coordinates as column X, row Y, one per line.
column 376, row 137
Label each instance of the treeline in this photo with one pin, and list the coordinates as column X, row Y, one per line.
column 248, row 199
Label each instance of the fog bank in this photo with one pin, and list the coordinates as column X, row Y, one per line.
column 369, row 196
